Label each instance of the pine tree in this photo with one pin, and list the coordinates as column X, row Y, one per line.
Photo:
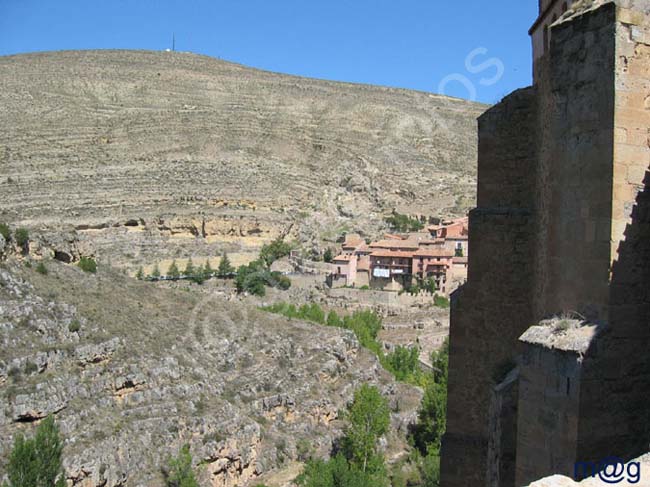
column 140, row 274
column 208, row 271
column 155, row 273
column 36, row 462
column 173, row 271
column 189, row 268
column 225, row 267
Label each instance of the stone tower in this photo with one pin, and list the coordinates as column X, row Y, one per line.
column 560, row 239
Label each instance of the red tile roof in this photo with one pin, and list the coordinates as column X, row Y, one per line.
column 433, row 252
column 394, row 244
column 342, row 258
column 392, row 253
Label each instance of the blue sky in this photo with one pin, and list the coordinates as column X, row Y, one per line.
column 460, row 48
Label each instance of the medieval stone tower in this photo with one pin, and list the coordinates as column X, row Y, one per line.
column 550, row 349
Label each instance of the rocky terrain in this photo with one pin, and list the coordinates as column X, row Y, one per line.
column 137, row 157
column 132, row 371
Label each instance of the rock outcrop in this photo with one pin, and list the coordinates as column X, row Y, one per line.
column 131, row 372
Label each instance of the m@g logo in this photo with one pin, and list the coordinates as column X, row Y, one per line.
column 611, row 470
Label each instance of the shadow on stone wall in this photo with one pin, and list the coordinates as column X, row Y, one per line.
column 615, row 409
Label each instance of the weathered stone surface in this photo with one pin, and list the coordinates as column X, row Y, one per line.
column 150, row 369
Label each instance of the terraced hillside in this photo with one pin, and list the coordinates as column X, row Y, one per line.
column 147, row 155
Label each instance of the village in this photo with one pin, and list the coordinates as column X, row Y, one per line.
column 434, row 260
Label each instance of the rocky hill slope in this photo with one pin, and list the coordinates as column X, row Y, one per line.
column 140, row 156
column 132, row 371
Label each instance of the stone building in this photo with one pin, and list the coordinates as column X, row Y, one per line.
column 549, row 364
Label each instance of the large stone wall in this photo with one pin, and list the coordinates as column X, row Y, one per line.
column 562, row 227
column 491, row 311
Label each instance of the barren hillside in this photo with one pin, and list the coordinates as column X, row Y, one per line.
column 156, row 154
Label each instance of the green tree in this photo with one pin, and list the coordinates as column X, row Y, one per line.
column 36, row 462
column 155, row 273
column 369, row 418
column 225, row 268
column 208, row 271
column 403, row 362
column 430, row 469
column 40, row 268
column 179, row 472
column 189, row 268
column 432, row 416
column 21, row 237
column 173, row 271
column 328, row 255
column 140, row 274
column 274, row 251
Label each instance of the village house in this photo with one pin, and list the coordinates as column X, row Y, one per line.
column 397, row 262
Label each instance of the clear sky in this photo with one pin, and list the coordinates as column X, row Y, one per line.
column 471, row 49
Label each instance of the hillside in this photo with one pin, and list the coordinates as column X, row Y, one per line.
column 139, row 156
column 132, row 371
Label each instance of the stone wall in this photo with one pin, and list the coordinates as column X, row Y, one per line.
column 490, row 312
column 562, row 227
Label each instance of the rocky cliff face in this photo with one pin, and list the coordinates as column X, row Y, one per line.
column 131, row 372
column 175, row 153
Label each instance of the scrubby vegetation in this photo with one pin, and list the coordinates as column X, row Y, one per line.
column 254, row 277
column 402, row 362
column 40, row 268
column 274, row 251
column 21, row 237
column 403, row 223
column 179, row 471
column 88, row 264
column 5, row 231
column 36, row 462
column 359, row 462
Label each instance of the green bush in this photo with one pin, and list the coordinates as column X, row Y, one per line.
column 403, row 223
column 36, row 462
column 40, row 268
column 179, row 471
column 404, row 363
column 328, row 255
column 253, row 278
column 88, row 264
column 74, row 326
column 359, row 464
column 140, row 274
column 5, row 231
column 21, row 237
column 274, row 251
column 440, row 301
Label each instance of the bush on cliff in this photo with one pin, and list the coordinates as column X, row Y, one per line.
column 179, row 471
column 88, row 264
column 274, row 251
column 36, row 462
